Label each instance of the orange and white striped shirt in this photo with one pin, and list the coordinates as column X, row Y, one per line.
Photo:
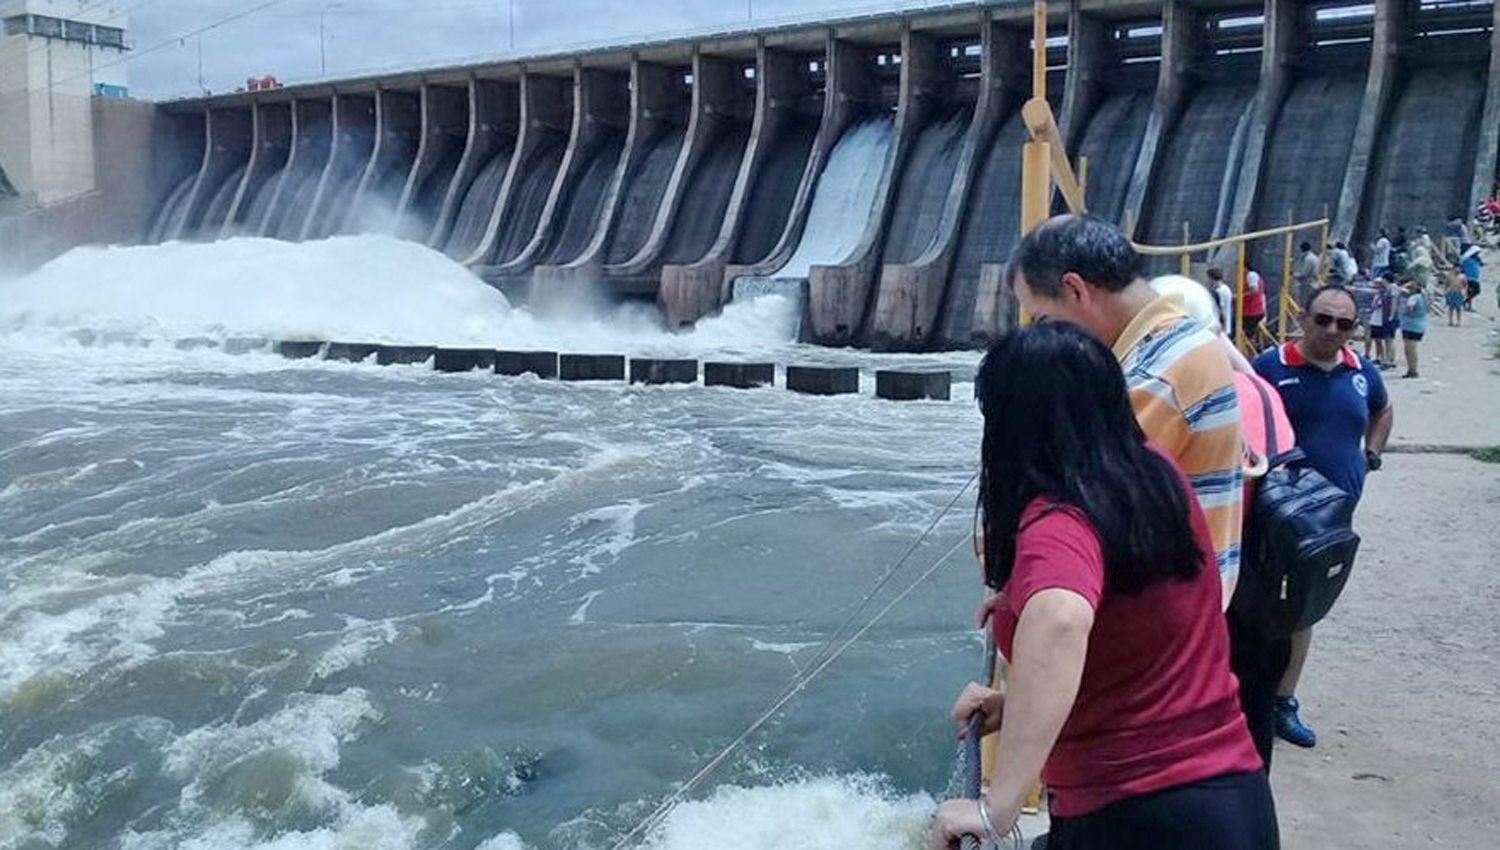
column 1182, row 390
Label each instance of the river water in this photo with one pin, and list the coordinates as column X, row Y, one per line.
column 253, row 602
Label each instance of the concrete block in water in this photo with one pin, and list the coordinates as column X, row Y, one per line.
column 463, row 359
column 390, row 355
column 898, row 385
column 822, row 380
column 591, row 367
column 741, row 376
column 352, row 352
column 245, row 344
column 648, row 371
column 543, row 364
column 299, row 349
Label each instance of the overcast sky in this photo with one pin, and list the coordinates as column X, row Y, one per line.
column 365, row 35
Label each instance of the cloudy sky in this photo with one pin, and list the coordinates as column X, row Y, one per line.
column 363, row 35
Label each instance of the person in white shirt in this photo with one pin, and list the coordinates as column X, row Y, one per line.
column 1381, row 262
column 1223, row 297
column 1305, row 272
column 1342, row 267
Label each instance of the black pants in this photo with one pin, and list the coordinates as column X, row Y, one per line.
column 1233, row 812
column 1259, row 664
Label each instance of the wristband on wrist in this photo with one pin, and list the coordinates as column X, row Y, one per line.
column 991, row 834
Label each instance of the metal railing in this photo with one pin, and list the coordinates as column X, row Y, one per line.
column 1286, row 300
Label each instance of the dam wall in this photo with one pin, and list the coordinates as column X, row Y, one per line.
column 867, row 164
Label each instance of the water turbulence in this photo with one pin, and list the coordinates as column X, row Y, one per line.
column 258, row 205
column 298, row 194
column 217, row 211
column 173, row 211
column 478, row 205
column 260, row 603
column 841, row 207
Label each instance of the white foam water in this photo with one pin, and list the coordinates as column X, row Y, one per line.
column 249, row 602
column 368, row 288
column 828, row 813
column 844, row 198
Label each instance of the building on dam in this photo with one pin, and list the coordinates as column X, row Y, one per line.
column 869, row 164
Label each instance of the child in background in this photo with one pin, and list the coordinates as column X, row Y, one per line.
column 1455, row 293
column 1413, row 325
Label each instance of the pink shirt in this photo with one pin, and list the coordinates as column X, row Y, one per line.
column 1253, row 425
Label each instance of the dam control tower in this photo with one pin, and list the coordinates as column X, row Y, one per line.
column 56, row 56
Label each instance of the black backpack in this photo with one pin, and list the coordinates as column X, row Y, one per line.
column 1299, row 545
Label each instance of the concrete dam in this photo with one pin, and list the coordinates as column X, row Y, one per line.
column 871, row 164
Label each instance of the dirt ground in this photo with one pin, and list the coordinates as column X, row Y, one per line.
column 1403, row 681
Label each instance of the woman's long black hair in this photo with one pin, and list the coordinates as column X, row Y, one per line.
column 1058, row 425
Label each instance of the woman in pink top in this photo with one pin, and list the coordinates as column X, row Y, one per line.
column 1107, row 605
column 1258, row 663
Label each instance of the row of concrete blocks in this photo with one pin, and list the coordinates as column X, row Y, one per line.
column 893, row 384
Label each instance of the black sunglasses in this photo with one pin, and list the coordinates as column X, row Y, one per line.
column 1323, row 320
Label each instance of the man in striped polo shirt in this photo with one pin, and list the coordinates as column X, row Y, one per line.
column 1081, row 269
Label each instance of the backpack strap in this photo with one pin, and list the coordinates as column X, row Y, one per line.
column 1272, row 450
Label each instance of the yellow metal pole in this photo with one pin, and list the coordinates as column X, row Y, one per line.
column 1239, row 300
column 1323, row 244
column 1036, row 185
column 1175, row 250
column 1039, row 50
column 1042, row 127
column 1187, row 256
column 1036, row 198
column 1083, row 178
column 1286, row 283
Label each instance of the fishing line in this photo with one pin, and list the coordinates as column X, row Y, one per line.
column 662, row 811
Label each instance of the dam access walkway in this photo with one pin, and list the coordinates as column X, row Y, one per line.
column 1400, row 683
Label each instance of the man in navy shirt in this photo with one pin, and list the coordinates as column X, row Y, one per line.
column 1339, row 408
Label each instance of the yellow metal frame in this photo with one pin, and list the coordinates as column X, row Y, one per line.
column 1286, row 302
column 1044, row 166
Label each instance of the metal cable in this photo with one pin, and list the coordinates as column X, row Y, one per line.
column 660, row 813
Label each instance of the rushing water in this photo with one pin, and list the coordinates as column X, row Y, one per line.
column 252, row 602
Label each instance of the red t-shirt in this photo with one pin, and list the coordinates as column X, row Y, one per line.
column 1157, row 706
column 1255, row 295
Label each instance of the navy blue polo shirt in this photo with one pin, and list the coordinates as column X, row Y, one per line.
column 1329, row 410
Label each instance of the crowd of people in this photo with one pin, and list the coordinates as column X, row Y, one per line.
column 1125, row 440
column 1408, row 277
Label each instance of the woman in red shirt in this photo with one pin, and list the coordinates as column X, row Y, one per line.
column 1107, row 605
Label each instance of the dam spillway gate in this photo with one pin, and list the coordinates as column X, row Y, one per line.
column 869, row 164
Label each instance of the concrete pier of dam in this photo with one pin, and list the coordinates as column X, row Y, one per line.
column 669, row 169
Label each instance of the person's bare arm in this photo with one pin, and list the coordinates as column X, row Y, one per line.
column 1050, row 644
column 1380, row 429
